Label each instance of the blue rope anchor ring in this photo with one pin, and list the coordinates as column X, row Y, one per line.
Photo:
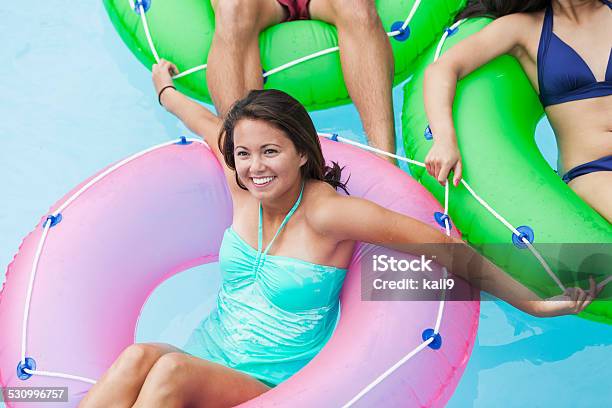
column 441, row 218
column 30, row 364
column 263, row 74
column 451, row 31
column 525, row 232
column 437, row 339
column 427, row 134
column 146, row 4
column 404, row 32
column 183, row 141
column 55, row 219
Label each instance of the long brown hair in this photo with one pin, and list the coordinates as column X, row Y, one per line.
column 287, row 114
column 499, row 8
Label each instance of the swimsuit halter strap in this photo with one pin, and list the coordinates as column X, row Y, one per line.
column 548, row 18
column 260, row 224
column 543, row 44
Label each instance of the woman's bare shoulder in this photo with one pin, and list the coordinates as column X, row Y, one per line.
column 523, row 28
column 530, row 26
column 521, row 20
column 532, row 21
column 522, row 25
column 320, row 198
column 317, row 193
column 244, row 207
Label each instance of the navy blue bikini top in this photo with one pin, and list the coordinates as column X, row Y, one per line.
column 563, row 75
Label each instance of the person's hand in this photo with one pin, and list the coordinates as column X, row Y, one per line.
column 443, row 157
column 572, row 301
column 162, row 74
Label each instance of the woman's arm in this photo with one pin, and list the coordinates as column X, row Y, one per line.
column 196, row 117
column 504, row 35
column 380, row 226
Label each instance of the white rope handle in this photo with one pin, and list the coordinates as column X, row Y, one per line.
column 480, row 200
column 59, row 375
column 440, row 312
column 145, row 25
column 41, row 243
column 389, row 371
column 528, row 244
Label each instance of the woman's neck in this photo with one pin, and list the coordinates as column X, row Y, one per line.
column 277, row 209
column 575, row 10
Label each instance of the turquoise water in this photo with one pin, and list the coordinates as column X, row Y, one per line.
column 74, row 99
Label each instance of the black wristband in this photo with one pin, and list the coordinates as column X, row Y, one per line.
column 162, row 91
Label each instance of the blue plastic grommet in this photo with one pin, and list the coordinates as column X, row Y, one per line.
column 525, row 232
column 265, row 78
column 404, row 32
column 183, row 141
column 146, row 4
column 55, row 219
column 427, row 134
column 334, row 137
column 451, row 31
column 30, row 364
column 437, row 339
column 441, row 217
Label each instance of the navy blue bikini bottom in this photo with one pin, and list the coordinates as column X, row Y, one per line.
column 601, row 164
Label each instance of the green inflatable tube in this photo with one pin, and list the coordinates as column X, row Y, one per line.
column 495, row 112
column 182, row 31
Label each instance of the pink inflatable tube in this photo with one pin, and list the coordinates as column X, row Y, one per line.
column 135, row 224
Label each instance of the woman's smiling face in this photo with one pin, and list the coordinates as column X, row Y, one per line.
column 267, row 162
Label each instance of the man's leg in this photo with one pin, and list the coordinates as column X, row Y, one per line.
column 367, row 64
column 234, row 66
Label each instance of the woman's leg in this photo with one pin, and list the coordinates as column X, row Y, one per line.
column 120, row 385
column 182, row 380
column 234, row 65
column 596, row 190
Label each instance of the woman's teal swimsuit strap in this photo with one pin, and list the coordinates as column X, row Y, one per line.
column 273, row 313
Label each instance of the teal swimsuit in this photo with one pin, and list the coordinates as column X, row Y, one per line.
column 273, row 314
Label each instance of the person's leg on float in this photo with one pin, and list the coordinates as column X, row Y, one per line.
column 596, row 190
column 121, row 383
column 182, row 380
column 367, row 64
column 158, row 374
column 234, row 65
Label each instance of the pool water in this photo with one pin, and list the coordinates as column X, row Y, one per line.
column 74, row 99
